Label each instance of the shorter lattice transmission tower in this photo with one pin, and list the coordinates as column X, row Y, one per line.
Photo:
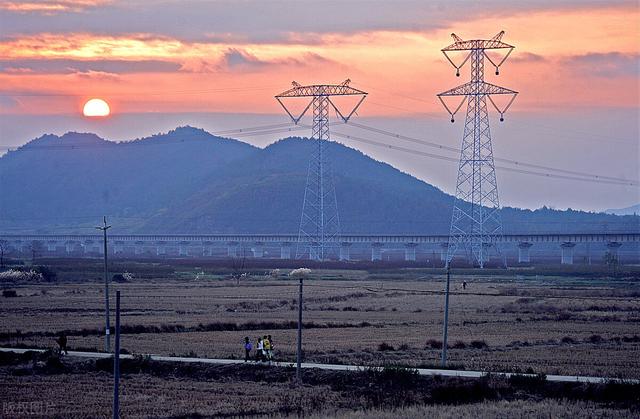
column 476, row 224
column 319, row 233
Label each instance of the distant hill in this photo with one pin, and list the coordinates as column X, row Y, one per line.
column 189, row 181
column 632, row 210
column 62, row 181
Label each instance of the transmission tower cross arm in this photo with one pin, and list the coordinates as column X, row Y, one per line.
column 478, row 88
column 478, row 45
column 321, row 90
column 342, row 89
column 471, row 44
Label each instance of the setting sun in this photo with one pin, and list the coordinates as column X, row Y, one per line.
column 96, row 107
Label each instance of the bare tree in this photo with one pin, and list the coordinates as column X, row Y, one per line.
column 238, row 264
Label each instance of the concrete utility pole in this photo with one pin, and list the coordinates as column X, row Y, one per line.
column 2, row 254
column 445, row 327
column 116, row 363
column 107, row 332
column 299, row 351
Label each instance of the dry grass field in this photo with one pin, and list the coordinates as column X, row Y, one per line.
column 542, row 324
column 45, row 386
column 549, row 325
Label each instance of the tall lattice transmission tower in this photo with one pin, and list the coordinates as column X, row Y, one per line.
column 319, row 233
column 476, row 224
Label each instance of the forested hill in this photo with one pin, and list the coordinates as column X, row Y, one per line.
column 189, row 181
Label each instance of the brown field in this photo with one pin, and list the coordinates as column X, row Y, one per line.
column 548, row 325
column 551, row 325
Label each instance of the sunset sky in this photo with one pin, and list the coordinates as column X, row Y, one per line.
column 217, row 65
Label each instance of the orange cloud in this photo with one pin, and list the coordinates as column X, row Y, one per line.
column 50, row 6
column 403, row 70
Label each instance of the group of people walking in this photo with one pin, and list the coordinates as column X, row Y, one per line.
column 264, row 349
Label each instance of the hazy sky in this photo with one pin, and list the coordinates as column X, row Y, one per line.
column 217, row 65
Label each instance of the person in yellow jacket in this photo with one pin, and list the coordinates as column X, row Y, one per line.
column 267, row 347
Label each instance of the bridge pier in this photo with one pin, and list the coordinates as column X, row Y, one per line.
column 161, row 249
column 258, row 250
column 232, row 249
column 198, row 250
column 52, row 246
column 410, row 251
column 523, row 252
column 118, row 248
column 345, row 248
column 613, row 250
column 444, row 248
column 183, row 248
column 376, row 251
column 207, row 249
column 566, row 256
column 285, row 250
column 69, row 247
column 138, row 248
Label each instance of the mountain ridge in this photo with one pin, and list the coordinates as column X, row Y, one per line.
column 190, row 181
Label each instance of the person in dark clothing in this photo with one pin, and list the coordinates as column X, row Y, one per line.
column 62, row 343
column 247, row 349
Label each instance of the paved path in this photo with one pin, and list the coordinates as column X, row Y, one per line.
column 335, row 367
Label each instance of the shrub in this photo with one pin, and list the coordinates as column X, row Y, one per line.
column 478, row 344
column 433, row 344
column 47, row 273
column 20, row 275
column 404, row 347
column 37, row 273
column 118, row 278
column 567, row 340
column 384, row 346
column 595, row 339
column 9, row 293
column 300, row 273
column 459, row 345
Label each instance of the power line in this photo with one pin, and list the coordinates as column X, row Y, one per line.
column 452, row 159
column 455, row 150
column 582, row 134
